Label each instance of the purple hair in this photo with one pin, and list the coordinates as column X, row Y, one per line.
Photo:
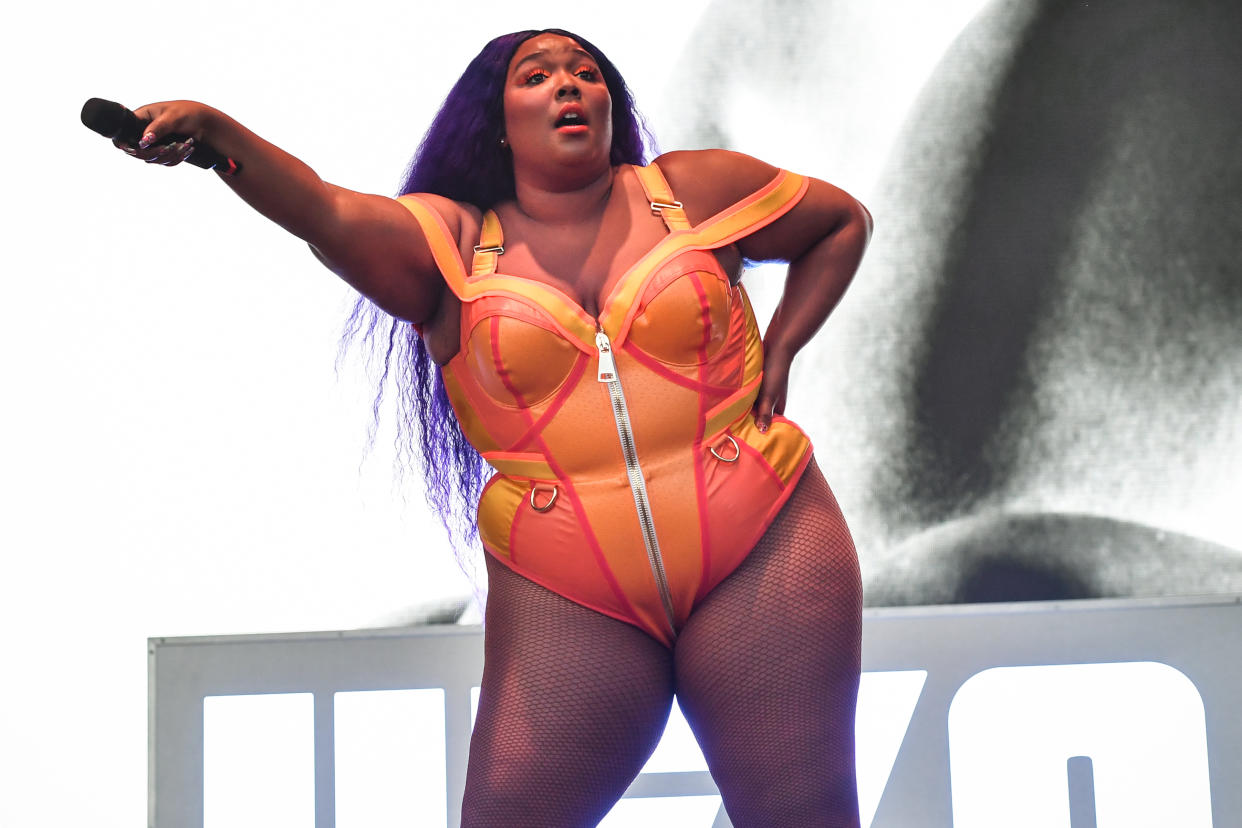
column 461, row 158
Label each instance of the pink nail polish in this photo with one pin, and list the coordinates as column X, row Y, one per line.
column 146, row 140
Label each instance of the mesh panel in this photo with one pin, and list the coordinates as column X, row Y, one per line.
column 766, row 669
column 572, row 704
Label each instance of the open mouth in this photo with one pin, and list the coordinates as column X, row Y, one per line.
column 571, row 120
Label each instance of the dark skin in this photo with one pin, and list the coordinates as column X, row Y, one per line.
column 576, row 222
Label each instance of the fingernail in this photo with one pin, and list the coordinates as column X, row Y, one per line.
column 146, row 140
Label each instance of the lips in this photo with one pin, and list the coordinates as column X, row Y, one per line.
column 571, row 117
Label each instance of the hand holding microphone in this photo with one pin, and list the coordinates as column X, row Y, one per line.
column 161, row 133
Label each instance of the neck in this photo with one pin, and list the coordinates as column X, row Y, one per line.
column 563, row 202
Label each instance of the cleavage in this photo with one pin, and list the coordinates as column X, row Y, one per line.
column 583, row 260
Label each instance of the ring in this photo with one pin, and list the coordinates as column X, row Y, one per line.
column 545, row 507
column 737, row 451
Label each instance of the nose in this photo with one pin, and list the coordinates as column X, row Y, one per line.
column 568, row 89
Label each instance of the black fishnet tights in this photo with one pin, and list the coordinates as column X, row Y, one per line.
column 766, row 671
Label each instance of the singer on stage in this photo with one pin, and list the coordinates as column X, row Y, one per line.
column 569, row 316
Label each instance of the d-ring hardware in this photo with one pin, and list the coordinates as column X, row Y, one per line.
column 545, row 507
column 737, row 451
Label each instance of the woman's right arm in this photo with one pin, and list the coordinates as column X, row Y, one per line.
column 370, row 241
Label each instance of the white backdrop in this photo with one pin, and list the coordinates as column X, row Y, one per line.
column 179, row 455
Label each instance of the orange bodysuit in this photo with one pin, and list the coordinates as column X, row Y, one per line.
column 631, row 477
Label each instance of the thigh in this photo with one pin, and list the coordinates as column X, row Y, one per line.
column 571, row 706
column 767, row 670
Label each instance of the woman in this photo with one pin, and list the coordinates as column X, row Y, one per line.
column 656, row 527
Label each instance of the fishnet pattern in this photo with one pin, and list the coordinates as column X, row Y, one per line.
column 768, row 666
column 571, row 706
column 766, row 669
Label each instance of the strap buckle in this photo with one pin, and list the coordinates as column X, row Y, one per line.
column 480, row 249
column 657, row 206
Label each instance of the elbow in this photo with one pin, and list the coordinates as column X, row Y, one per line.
column 318, row 254
column 332, row 264
column 861, row 218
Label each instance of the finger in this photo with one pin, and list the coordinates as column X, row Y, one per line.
column 160, row 126
column 171, row 154
column 158, row 153
column 151, row 113
column 182, row 151
column 763, row 412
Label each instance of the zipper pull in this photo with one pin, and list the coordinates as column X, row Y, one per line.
column 607, row 367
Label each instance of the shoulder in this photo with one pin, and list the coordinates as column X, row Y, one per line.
column 708, row 181
column 459, row 219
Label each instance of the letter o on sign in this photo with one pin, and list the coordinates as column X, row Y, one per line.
column 1013, row 729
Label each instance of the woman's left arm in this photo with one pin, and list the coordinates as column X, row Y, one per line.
column 822, row 237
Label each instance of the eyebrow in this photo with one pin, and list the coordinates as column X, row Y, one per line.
column 542, row 52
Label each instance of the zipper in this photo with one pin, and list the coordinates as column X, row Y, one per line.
column 638, row 486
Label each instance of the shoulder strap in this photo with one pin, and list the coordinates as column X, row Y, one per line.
column 755, row 211
column 440, row 240
column 571, row 320
column 736, row 221
column 661, row 197
column 490, row 246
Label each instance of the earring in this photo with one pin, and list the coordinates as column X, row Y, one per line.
column 503, row 142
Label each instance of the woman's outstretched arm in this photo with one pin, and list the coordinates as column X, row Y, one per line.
column 822, row 237
column 370, row 241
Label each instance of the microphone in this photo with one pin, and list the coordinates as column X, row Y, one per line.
column 116, row 123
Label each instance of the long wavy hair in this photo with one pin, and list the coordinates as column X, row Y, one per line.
column 461, row 158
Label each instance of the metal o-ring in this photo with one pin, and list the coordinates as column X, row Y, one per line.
column 737, row 451
column 545, row 507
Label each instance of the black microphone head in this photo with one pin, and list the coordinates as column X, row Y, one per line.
column 111, row 120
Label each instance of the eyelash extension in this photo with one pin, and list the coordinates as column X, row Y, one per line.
column 590, row 70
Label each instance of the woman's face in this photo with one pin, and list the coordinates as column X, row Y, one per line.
column 558, row 112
